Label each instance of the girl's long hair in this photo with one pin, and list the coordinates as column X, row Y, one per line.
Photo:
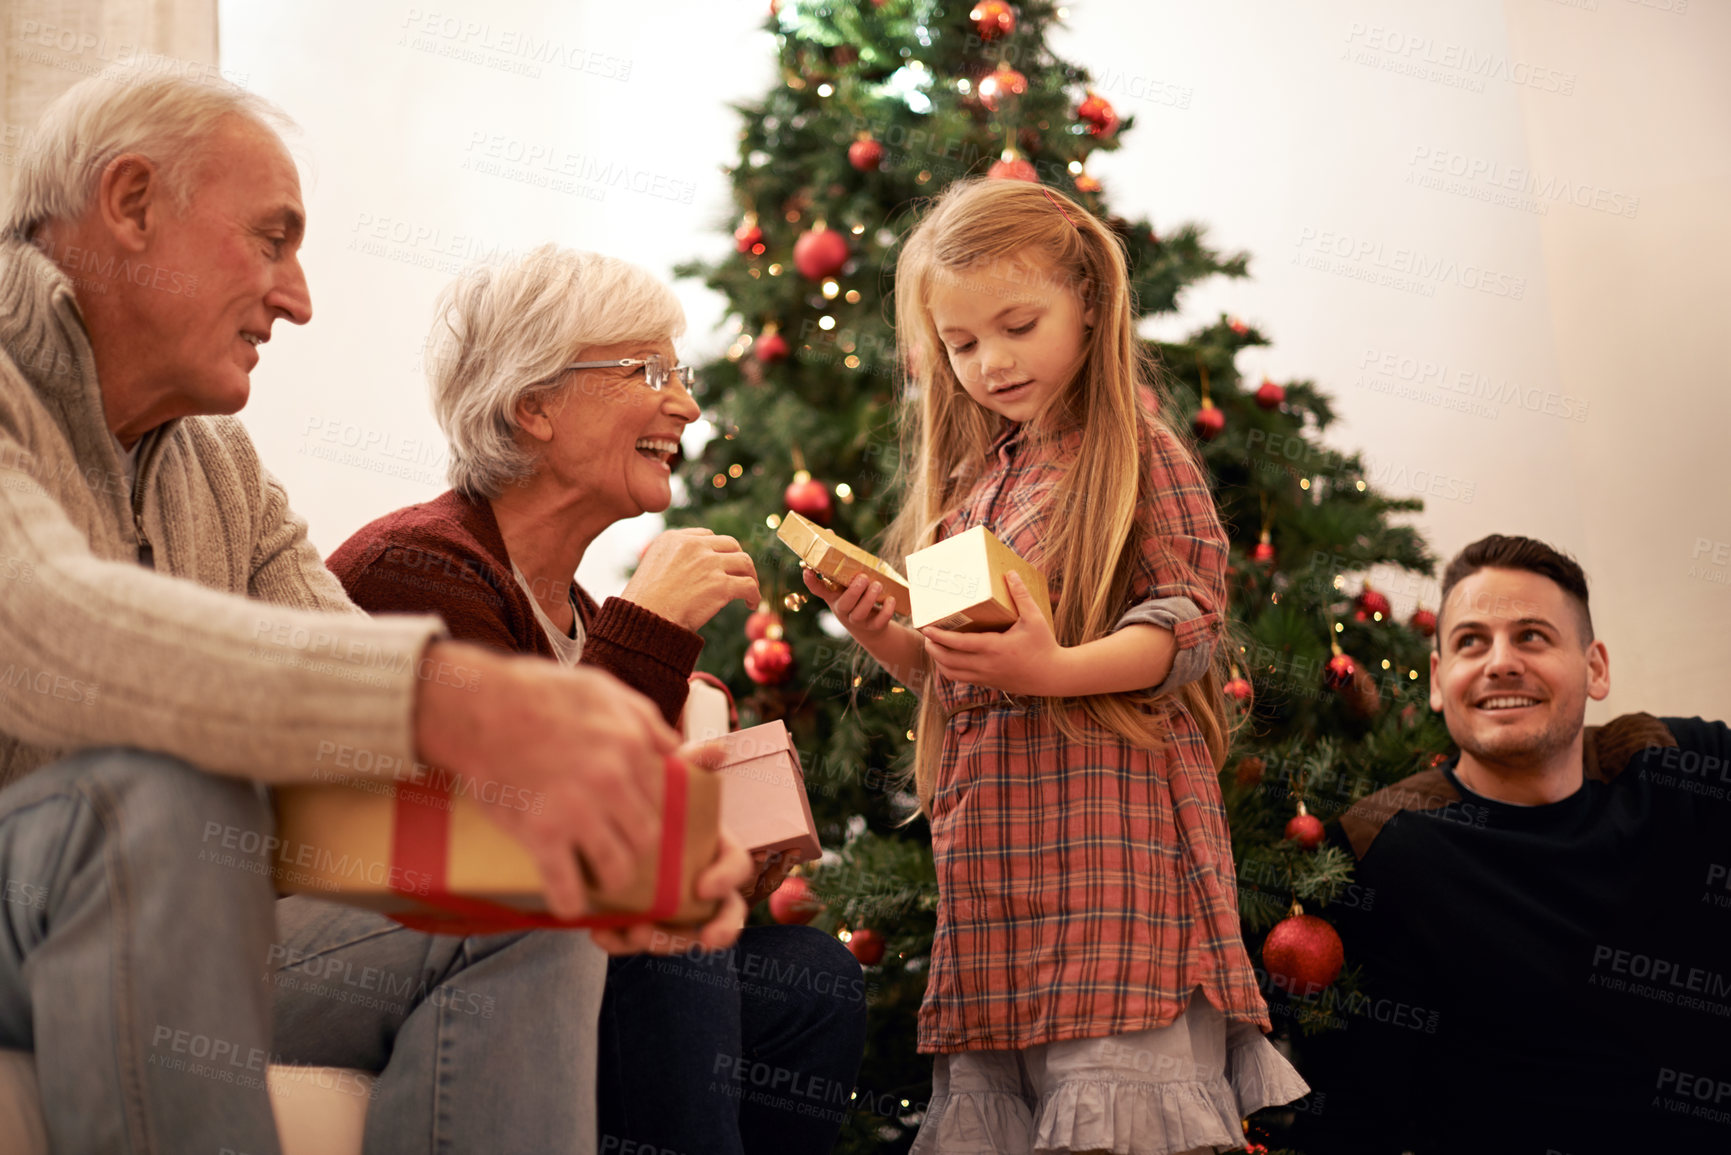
column 1092, row 539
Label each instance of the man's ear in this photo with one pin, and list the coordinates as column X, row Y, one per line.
column 129, row 200
column 1598, row 671
column 1436, row 698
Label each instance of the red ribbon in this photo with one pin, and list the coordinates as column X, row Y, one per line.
column 420, row 848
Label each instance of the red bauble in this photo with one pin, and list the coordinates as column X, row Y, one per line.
column 1086, row 183
column 768, row 660
column 770, row 347
column 1438, row 760
column 1270, row 395
column 762, row 621
column 1098, row 114
column 1370, row 603
column 1303, row 954
column 1210, row 420
column 1238, row 326
column 1012, row 167
column 1263, row 552
column 1249, row 771
column 1239, row 690
column 865, row 154
column 809, row 497
column 820, row 252
column 867, row 946
column 1338, row 673
column 1424, row 622
column 748, row 238
column 993, row 19
column 1305, row 829
column 1003, row 85
column 793, row 902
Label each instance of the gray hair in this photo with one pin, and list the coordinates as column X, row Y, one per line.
column 503, row 331
column 167, row 118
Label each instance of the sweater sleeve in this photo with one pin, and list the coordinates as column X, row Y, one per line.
column 108, row 653
column 645, row 651
column 286, row 569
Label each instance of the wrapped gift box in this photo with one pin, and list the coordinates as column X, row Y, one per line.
column 763, row 801
column 958, row 584
column 427, row 854
column 708, row 712
column 838, row 559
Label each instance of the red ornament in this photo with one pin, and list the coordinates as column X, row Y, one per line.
column 1237, row 326
column 1098, row 113
column 993, row 19
column 748, row 238
column 1424, row 622
column 1263, row 553
column 1239, row 690
column 1249, row 771
column 1438, row 760
column 771, row 347
column 820, row 252
column 1003, row 85
column 865, row 154
column 1305, row 829
column 809, row 498
column 1338, row 673
column 793, row 902
column 1087, row 184
column 1011, row 166
column 768, row 660
column 1303, row 954
column 1210, row 420
column 763, row 623
column 1370, row 603
column 1270, row 395
column 867, row 946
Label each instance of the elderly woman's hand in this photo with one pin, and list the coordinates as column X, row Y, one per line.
column 771, row 871
column 687, row 575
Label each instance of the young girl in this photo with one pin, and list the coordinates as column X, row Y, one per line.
column 1088, row 990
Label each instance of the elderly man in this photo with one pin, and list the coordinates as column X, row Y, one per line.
column 1547, row 916
column 170, row 640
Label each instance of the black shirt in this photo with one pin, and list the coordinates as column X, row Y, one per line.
column 1538, row 979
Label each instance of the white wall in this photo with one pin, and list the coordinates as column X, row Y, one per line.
column 1527, row 363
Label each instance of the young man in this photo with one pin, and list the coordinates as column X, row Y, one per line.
column 1547, row 945
column 169, row 639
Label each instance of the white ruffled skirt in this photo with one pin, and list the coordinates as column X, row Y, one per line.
column 1181, row 1088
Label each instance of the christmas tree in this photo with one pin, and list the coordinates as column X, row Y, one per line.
column 879, row 106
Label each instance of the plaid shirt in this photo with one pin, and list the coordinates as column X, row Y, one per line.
column 1085, row 890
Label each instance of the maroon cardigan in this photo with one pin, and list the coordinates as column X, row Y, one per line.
column 447, row 557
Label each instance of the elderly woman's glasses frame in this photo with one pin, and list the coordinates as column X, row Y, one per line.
column 656, row 371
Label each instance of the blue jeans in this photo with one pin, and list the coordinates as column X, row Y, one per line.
column 138, row 960
column 752, row 1049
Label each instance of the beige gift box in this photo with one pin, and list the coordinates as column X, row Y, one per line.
column 763, row 799
column 958, row 584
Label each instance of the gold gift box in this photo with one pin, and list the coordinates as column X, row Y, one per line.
column 838, row 559
column 336, row 842
column 958, row 584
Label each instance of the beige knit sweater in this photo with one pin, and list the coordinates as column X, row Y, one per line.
column 239, row 652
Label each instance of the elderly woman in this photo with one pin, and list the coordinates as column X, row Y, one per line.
column 555, row 380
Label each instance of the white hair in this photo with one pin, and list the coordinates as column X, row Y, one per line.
column 167, row 118
column 504, row 331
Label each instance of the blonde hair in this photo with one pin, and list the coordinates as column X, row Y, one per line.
column 169, row 119
column 502, row 331
column 1092, row 537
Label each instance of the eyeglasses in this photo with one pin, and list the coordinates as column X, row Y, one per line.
column 656, row 371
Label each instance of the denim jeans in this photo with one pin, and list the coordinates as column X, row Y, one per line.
column 138, row 960
column 748, row 1050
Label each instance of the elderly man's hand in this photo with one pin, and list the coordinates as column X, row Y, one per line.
column 720, row 880
column 686, row 575
column 568, row 755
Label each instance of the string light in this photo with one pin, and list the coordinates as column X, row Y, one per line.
column 719, row 480
column 825, row 89
column 826, row 323
column 852, row 297
column 773, row 520
column 1385, row 662
column 830, row 289
column 735, row 470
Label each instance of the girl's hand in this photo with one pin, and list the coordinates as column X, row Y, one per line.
column 854, row 605
column 1024, row 659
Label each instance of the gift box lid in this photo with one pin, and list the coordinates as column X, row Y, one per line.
column 840, row 560
column 958, row 584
